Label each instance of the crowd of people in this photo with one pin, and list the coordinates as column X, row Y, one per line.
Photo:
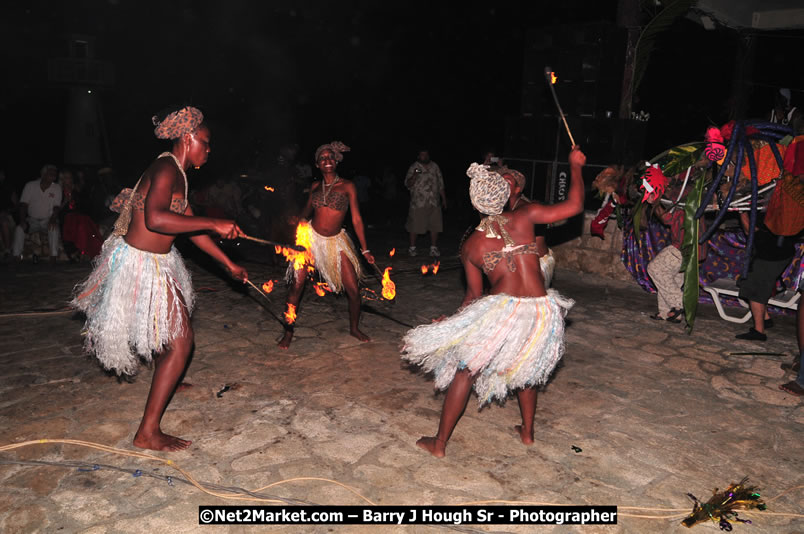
column 61, row 215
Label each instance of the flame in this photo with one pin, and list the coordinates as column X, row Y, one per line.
column 388, row 287
column 321, row 288
column 269, row 189
column 553, row 78
column 304, row 239
column 435, row 266
column 290, row 315
column 391, row 254
column 268, row 286
column 425, row 269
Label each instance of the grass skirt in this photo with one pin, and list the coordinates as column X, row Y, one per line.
column 133, row 304
column 326, row 253
column 506, row 342
column 548, row 265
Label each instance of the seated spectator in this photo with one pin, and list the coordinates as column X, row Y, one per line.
column 82, row 237
column 39, row 212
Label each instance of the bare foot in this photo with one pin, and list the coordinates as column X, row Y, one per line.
column 526, row 437
column 159, row 441
column 792, row 387
column 286, row 339
column 359, row 335
column 183, row 386
column 433, row 445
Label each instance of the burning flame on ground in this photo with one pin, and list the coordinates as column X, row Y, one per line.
column 553, row 78
column 388, row 287
column 431, row 268
column 268, row 286
column 290, row 315
column 321, row 288
column 304, row 234
column 269, row 189
column 391, row 254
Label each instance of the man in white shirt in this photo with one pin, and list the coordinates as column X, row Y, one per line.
column 39, row 211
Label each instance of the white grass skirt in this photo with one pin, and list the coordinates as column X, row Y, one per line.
column 506, row 342
column 326, row 251
column 548, row 265
column 134, row 303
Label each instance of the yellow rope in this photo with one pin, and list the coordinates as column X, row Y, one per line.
column 234, row 496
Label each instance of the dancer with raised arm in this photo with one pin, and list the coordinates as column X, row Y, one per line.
column 511, row 339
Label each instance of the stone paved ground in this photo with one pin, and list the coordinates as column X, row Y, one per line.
column 656, row 413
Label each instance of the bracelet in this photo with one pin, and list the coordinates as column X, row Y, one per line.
column 364, row 252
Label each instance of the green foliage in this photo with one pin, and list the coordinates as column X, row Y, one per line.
column 681, row 158
column 689, row 251
column 647, row 39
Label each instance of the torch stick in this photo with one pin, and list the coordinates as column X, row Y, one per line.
column 548, row 76
column 261, row 292
column 297, row 248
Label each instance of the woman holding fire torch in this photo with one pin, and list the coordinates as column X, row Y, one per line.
column 330, row 251
column 138, row 298
column 511, row 339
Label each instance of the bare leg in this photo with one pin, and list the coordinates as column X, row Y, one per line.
column 454, row 406
column 758, row 315
column 412, row 239
column 433, row 238
column 349, row 278
column 294, row 297
column 170, row 366
column 527, row 407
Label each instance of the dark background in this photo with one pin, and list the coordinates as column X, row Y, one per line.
column 384, row 78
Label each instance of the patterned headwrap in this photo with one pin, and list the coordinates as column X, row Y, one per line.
column 178, row 123
column 489, row 193
column 336, row 147
column 488, row 190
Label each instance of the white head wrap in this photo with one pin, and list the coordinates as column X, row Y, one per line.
column 488, row 190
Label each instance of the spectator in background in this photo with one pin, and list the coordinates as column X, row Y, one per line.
column 426, row 186
column 82, row 237
column 39, row 211
column 8, row 204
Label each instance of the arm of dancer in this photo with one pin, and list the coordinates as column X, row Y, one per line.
column 357, row 221
column 159, row 218
column 542, row 214
column 205, row 243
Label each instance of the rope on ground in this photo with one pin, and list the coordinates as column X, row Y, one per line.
column 236, row 493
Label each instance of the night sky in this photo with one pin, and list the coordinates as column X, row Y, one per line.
column 384, row 78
